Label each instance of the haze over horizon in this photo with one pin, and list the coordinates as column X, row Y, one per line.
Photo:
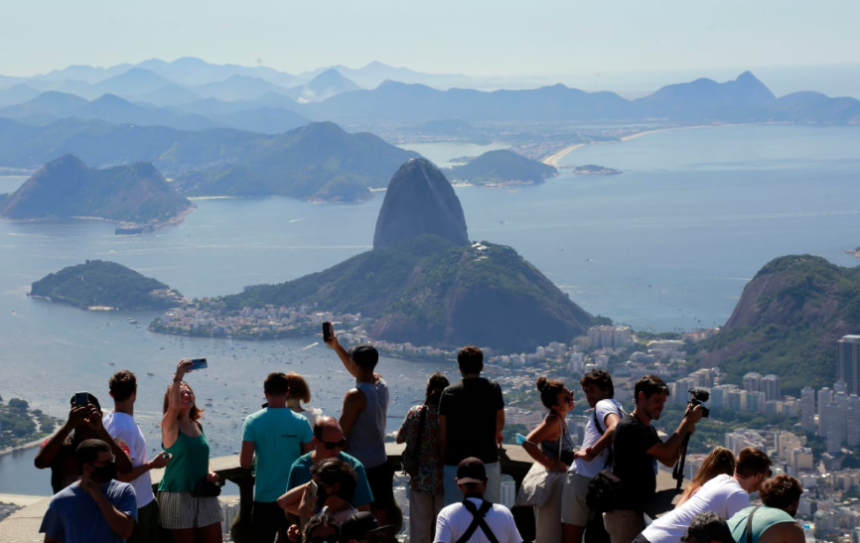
column 584, row 45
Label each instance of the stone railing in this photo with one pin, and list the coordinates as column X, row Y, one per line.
column 24, row 524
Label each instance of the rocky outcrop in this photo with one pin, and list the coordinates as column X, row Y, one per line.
column 420, row 200
column 788, row 321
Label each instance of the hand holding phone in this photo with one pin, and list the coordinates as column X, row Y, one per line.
column 82, row 398
column 198, row 364
column 327, row 331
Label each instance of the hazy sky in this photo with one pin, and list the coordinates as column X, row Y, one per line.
column 476, row 37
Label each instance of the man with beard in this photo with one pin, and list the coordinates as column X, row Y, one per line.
column 636, row 447
column 95, row 508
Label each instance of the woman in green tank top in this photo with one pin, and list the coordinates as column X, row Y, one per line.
column 190, row 517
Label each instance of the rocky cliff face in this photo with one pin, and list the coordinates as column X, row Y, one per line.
column 787, row 322
column 420, row 200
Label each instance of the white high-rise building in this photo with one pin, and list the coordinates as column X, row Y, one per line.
column 807, row 409
column 825, row 396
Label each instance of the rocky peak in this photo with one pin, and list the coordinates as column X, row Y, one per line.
column 420, row 200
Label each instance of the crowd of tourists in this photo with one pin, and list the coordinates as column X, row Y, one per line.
column 319, row 479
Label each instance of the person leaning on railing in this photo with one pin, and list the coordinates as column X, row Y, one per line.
column 420, row 431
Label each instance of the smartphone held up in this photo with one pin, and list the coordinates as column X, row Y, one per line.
column 327, row 331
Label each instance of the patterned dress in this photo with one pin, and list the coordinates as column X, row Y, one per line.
column 429, row 478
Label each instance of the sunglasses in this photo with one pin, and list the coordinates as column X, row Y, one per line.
column 329, row 445
column 568, row 399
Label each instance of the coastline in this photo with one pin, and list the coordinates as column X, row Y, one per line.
column 22, row 447
column 553, row 159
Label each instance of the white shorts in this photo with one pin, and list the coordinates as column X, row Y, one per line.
column 181, row 510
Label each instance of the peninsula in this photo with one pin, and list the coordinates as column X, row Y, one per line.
column 424, row 283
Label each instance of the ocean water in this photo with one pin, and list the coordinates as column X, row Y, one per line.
column 667, row 245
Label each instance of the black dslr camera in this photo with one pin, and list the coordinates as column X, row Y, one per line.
column 700, row 395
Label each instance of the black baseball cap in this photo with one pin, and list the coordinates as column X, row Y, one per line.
column 471, row 470
column 361, row 525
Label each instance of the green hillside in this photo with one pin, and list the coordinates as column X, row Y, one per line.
column 502, row 166
column 787, row 322
column 98, row 283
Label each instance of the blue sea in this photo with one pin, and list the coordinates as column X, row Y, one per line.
column 667, row 245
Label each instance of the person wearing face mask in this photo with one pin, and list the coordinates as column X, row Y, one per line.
column 330, row 492
column 97, row 507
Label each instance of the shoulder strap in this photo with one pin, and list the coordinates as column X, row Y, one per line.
column 477, row 521
column 749, row 524
column 596, row 424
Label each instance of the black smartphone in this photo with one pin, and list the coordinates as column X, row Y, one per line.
column 82, row 398
column 198, row 364
column 326, row 331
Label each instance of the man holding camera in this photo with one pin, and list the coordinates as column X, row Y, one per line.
column 637, row 446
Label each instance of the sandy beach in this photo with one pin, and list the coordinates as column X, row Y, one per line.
column 552, row 160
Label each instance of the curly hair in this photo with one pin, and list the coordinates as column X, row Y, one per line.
column 780, row 491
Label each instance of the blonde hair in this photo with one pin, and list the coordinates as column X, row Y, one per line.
column 720, row 461
column 299, row 389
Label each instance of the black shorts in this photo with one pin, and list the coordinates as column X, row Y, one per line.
column 381, row 480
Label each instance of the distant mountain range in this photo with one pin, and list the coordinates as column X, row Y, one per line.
column 67, row 188
column 402, row 95
column 318, row 161
column 52, row 106
column 745, row 99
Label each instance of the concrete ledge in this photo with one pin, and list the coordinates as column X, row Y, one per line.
column 23, row 525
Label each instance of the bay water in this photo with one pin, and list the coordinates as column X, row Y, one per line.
column 667, row 245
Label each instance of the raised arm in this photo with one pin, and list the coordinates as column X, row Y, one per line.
column 668, row 452
column 169, row 422
column 347, row 362
column 94, row 421
column 48, row 453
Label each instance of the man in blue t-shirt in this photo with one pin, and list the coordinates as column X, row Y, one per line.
column 329, row 443
column 278, row 437
column 95, row 508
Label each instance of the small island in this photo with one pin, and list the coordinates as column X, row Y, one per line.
column 501, row 168
column 593, row 169
column 98, row 285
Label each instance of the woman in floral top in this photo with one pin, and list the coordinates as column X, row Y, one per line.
column 427, row 492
